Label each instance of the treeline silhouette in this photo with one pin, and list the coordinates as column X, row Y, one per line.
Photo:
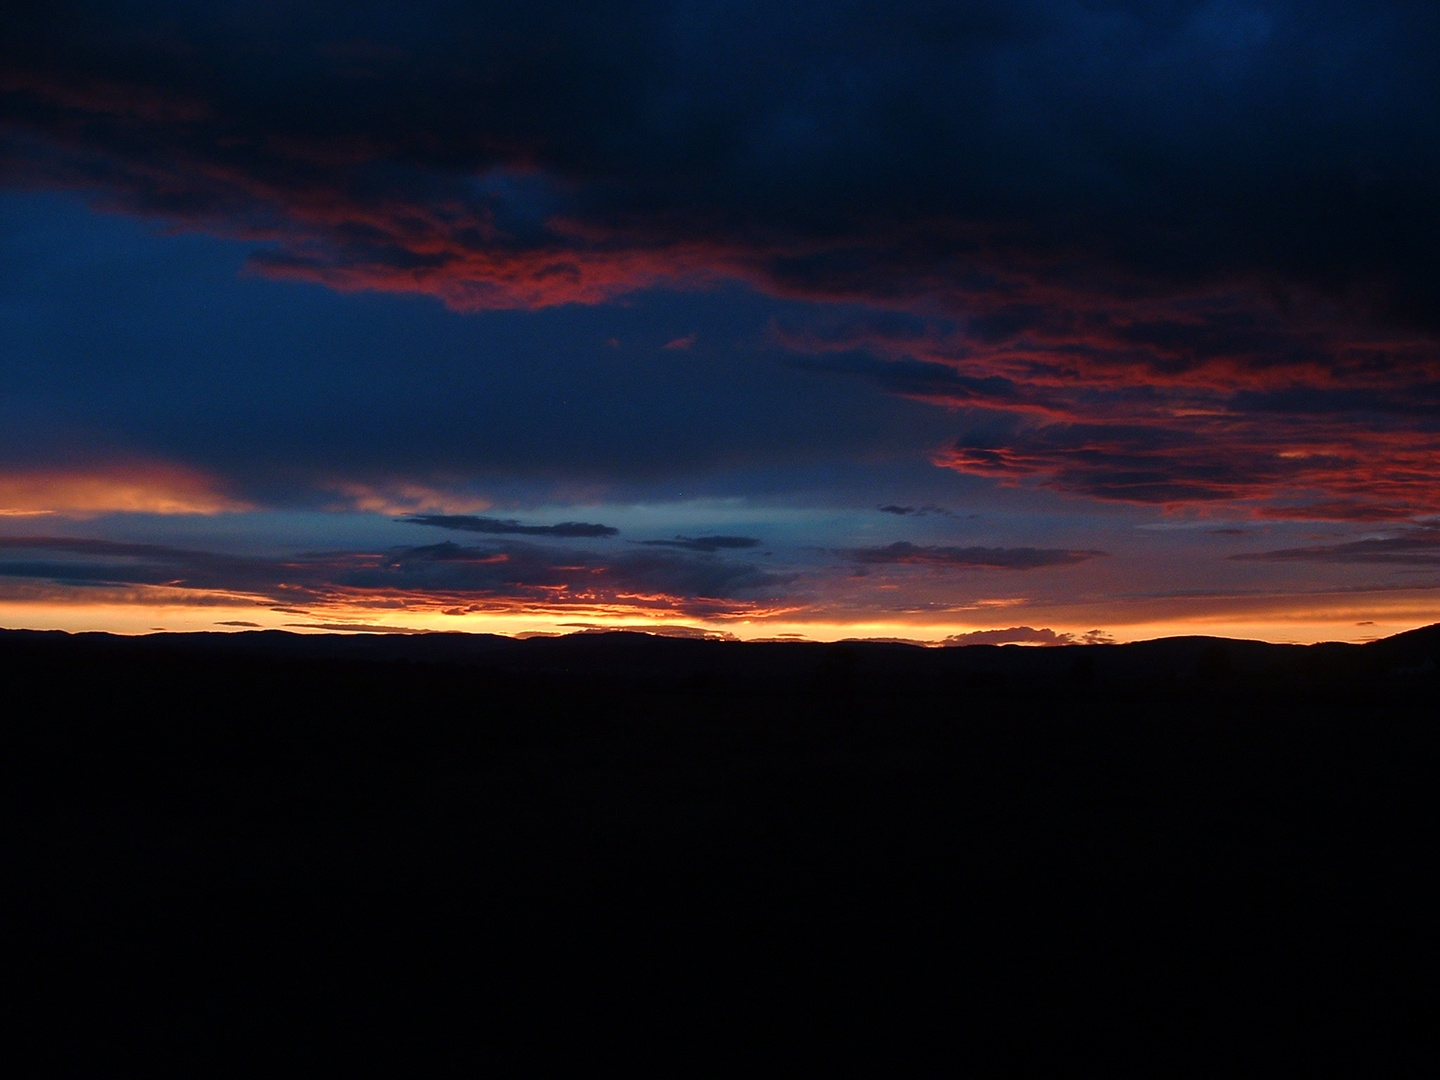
column 232, row 851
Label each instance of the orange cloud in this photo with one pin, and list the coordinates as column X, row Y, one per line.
column 130, row 488
column 405, row 497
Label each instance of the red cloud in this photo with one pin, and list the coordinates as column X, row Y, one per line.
column 1171, row 402
column 1064, row 370
column 1273, row 472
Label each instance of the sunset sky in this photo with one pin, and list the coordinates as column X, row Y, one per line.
column 993, row 321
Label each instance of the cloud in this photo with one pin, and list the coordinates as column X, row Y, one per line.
column 509, row 575
column 681, row 342
column 564, row 154
column 356, row 628
column 238, row 622
column 138, row 487
column 1027, row 635
column 406, row 497
column 83, row 558
column 690, row 633
column 496, row 526
column 902, row 553
column 1341, row 433
column 1129, row 463
column 559, row 576
column 1166, row 254
column 915, row 511
column 1326, row 470
column 706, row 543
column 1419, row 546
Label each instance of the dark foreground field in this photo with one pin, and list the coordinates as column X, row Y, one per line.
column 224, row 853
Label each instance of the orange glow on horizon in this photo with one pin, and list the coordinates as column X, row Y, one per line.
column 1328, row 617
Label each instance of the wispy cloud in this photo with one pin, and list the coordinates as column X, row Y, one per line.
column 913, row 511
column 1168, row 402
column 512, row 576
column 1418, row 546
column 902, row 553
column 405, row 497
column 506, row 527
column 706, row 543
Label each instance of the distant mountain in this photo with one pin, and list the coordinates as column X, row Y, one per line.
column 640, row 659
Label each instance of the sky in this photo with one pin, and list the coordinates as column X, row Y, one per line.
column 1041, row 322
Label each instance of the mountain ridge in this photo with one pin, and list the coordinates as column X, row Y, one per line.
column 642, row 659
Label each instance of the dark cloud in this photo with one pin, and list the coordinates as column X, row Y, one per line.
column 706, row 543
column 509, row 575
column 81, row 561
column 550, row 574
column 1173, row 253
column 1134, row 463
column 1415, row 547
column 496, row 526
column 913, row 511
column 561, row 152
column 1215, row 457
column 1227, row 414
column 902, row 553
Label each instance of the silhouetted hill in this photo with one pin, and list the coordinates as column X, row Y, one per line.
column 644, row 660
column 232, row 852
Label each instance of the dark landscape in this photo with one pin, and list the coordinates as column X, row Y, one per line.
column 232, row 850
